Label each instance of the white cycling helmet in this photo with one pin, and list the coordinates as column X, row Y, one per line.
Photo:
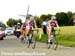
column 18, row 23
column 31, row 18
column 53, row 17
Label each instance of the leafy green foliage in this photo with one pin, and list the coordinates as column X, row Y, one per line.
column 2, row 25
column 64, row 19
column 38, row 21
column 11, row 22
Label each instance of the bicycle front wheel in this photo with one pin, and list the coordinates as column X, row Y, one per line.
column 54, row 43
column 33, row 44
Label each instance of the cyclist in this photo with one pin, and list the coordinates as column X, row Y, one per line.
column 18, row 26
column 47, row 24
column 23, row 29
column 53, row 22
column 31, row 24
column 28, row 26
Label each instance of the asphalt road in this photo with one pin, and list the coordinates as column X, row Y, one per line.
column 11, row 46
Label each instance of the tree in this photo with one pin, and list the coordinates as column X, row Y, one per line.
column 2, row 25
column 43, row 17
column 20, row 21
column 49, row 16
column 70, row 15
column 62, row 18
column 38, row 22
column 11, row 22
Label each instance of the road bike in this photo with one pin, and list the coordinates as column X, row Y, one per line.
column 53, row 41
column 32, row 38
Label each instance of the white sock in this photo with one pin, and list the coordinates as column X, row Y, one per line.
column 48, row 39
column 51, row 38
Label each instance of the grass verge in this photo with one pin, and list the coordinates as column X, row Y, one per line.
column 66, row 36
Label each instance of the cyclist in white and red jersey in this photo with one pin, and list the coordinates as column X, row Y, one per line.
column 53, row 23
column 29, row 25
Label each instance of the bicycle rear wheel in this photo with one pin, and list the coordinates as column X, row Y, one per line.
column 49, row 45
column 33, row 44
column 54, row 43
column 29, row 40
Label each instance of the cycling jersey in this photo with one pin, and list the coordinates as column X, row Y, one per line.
column 53, row 23
column 47, row 24
column 32, row 23
column 23, row 26
column 44, row 23
column 17, row 27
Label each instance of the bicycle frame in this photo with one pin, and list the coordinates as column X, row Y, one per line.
column 31, row 38
column 54, row 41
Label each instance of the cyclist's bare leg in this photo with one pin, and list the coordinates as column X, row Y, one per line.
column 49, row 34
column 26, row 31
column 22, row 33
